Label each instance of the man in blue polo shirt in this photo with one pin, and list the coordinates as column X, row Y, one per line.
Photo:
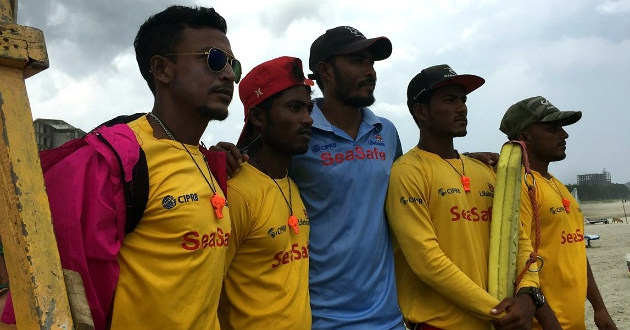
column 343, row 181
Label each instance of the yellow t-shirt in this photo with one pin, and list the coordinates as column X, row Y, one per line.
column 172, row 264
column 563, row 278
column 266, row 285
column 442, row 238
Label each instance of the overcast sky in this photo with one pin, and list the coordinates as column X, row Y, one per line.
column 575, row 53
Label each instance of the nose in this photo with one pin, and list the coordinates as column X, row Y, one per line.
column 371, row 72
column 227, row 73
column 307, row 119
column 564, row 133
column 463, row 108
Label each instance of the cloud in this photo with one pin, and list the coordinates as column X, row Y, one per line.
column 575, row 53
column 614, row 7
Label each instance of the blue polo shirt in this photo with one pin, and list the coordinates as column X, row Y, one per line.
column 343, row 182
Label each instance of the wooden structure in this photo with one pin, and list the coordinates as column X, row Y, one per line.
column 37, row 282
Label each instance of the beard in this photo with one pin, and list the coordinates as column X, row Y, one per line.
column 211, row 113
column 355, row 101
column 345, row 87
column 460, row 133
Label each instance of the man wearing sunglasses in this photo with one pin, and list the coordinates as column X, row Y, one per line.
column 173, row 261
column 167, row 272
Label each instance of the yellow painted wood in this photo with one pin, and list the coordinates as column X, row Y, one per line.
column 32, row 260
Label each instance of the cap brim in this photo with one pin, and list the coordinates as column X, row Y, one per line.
column 468, row 81
column 380, row 47
column 564, row 117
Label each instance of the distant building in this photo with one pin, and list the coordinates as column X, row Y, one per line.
column 596, row 179
column 52, row 133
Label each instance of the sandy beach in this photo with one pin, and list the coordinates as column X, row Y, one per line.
column 607, row 259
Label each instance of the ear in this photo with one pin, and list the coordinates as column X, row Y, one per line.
column 256, row 118
column 420, row 112
column 160, row 66
column 522, row 136
column 326, row 72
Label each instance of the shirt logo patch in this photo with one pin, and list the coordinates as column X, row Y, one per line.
column 168, row 202
column 272, row 232
column 448, row 191
column 411, row 200
column 358, row 153
column 317, row 148
column 474, row 214
column 378, row 140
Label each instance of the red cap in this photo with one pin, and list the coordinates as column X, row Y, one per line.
column 268, row 79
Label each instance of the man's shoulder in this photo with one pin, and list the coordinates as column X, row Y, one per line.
column 410, row 163
column 246, row 183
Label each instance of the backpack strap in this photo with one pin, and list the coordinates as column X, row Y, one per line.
column 137, row 190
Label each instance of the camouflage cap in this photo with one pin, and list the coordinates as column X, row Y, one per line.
column 534, row 110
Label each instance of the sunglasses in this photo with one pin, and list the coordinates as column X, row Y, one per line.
column 217, row 59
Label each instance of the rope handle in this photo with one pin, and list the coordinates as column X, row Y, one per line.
column 533, row 257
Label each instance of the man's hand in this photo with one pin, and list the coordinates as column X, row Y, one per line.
column 603, row 321
column 233, row 157
column 489, row 158
column 519, row 313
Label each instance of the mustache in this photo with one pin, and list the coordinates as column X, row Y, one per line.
column 368, row 82
column 225, row 89
column 305, row 130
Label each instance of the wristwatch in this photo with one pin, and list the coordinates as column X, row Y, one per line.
column 534, row 292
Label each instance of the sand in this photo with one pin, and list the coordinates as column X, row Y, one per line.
column 608, row 262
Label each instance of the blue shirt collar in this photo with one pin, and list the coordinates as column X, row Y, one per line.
column 320, row 121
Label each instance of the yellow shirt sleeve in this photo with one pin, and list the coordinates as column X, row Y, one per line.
column 412, row 226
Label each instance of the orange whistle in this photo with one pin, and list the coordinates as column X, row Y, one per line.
column 566, row 204
column 466, row 183
column 293, row 222
column 217, row 203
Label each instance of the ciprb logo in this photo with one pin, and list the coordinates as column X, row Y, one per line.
column 273, row 232
column 317, row 148
column 168, row 202
column 444, row 192
column 411, row 200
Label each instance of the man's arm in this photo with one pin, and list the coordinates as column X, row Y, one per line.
column 489, row 158
column 601, row 317
column 547, row 318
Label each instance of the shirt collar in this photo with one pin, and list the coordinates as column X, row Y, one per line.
column 320, row 121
